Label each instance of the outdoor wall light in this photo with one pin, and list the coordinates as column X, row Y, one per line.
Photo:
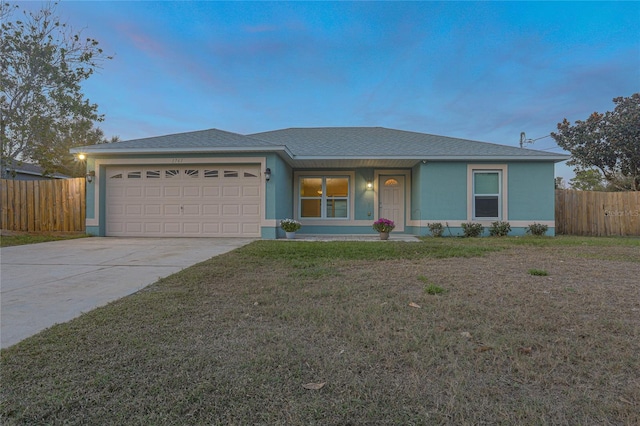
column 369, row 185
column 90, row 176
column 267, row 174
column 81, row 157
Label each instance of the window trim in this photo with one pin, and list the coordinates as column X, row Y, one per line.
column 323, row 197
column 501, row 169
column 349, row 175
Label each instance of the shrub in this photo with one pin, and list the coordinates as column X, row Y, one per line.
column 499, row 229
column 538, row 272
column 537, row 229
column 471, row 229
column 290, row 225
column 436, row 229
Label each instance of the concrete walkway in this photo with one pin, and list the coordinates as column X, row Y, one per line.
column 48, row 283
column 356, row 237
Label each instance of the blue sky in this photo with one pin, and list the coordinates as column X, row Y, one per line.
column 484, row 71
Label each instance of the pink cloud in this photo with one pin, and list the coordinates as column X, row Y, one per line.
column 141, row 41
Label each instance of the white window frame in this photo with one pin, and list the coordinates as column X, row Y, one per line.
column 323, row 197
column 472, row 170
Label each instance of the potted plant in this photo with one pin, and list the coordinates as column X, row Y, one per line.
column 384, row 226
column 290, row 226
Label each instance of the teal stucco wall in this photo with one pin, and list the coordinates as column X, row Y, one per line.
column 279, row 196
column 531, row 191
column 443, row 191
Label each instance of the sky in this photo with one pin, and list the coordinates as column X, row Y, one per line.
column 485, row 71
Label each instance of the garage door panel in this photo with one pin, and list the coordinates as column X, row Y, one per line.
column 250, row 228
column 210, row 191
column 211, row 210
column 211, row 228
column 152, row 191
column 152, row 227
column 115, row 192
column 191, row 191
column 115, row 227
column 250, row 191
column 183, row 201
column 191, row 209
column 172, row 209
column 153, row 209
column 230, row 228
column 250, row 210
column 172, row 228
column 134, row 227
column 133, row 210
column 230, row 210
column 172, row 191
column 134, row 191
column 115, row 210
column 191, row 228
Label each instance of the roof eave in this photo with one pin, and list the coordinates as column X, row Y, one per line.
column 89, row 150
column 555, row 158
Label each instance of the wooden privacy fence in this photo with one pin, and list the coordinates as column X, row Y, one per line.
column 56, row 205
column 597, row 213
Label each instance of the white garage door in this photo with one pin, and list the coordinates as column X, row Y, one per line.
column 183, row 201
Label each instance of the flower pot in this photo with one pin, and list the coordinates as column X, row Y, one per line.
column 384, row 235
column 290, row 235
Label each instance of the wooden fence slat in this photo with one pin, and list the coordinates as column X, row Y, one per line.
column 42, row 205
column 597, row 213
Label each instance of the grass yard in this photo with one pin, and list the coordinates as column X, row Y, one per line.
column 22, row 238
column 445, row 331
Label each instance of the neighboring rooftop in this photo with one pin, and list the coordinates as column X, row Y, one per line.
column 23, row 168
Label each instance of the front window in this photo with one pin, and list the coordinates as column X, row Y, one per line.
column 487, row 195
column 324, row 197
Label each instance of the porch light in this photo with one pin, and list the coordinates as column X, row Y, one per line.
column 267, row 174
column 81, row 157
column 89, row 176
column 369, row 185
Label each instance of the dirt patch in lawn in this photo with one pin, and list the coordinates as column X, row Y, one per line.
column 344, row 337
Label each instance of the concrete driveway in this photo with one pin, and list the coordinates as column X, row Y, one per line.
column 48, row 283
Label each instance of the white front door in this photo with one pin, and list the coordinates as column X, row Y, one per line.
column 392, row 200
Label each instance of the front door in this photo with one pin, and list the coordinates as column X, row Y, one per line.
column 392, row 200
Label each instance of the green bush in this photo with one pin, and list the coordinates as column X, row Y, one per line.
column 499, row 229
column 537, row 229
column 471, row 229
column 436, row 229
column 538, row 272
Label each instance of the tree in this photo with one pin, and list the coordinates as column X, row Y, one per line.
column 587, row 180
column 43, row 111
column 609, row 142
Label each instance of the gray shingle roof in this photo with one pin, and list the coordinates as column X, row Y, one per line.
column 211, row 139
column 327, row 143
column 368, row 142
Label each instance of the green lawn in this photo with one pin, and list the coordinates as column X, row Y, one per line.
column 22, row 239
column 444, row 331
